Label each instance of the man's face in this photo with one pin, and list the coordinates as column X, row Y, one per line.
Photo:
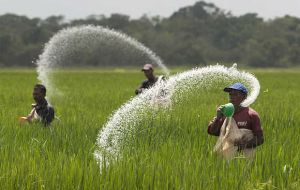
column 148, row 73
column 236, row 97
column 37, row 94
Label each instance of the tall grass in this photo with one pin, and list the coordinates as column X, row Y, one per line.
column 169, row 150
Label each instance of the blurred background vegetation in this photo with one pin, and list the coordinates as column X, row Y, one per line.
column 195, row 35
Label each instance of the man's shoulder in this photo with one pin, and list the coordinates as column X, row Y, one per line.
column 145, row 81
column 248, row 111
column 252, row 112
column 49, row 106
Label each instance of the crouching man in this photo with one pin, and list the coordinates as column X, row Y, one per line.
column 41, row 110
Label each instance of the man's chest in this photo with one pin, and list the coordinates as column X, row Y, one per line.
column 243, row 122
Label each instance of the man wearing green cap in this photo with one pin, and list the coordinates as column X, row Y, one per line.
column 245, row 118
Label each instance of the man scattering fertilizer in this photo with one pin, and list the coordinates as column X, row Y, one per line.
column 242, row 132
column 41, row 110
column 151, row 78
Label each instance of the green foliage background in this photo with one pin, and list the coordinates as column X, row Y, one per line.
column 194, row 35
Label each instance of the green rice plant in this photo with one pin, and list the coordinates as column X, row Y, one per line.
column 168, row 150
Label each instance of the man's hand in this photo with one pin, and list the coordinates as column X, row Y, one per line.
column 29, row 118
column 219, row 114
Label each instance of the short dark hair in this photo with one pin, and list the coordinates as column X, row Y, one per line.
column 41, row 87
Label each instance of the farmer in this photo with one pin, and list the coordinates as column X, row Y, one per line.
column 245, row 117
column 41, row 110
column 151, row 78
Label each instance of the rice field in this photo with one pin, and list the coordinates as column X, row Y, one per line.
column 172, row 149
